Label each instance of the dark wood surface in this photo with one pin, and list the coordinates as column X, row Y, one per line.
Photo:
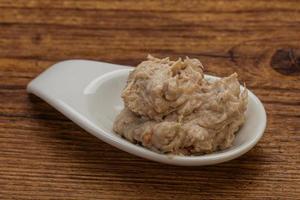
column 43, row 155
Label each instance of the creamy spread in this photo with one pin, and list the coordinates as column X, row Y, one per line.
column 171, row 108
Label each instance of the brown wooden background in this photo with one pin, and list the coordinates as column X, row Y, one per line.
column 43, row 155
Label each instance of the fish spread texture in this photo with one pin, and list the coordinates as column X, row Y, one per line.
column 171, row 108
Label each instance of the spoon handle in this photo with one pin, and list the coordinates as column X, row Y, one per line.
column 66, row 81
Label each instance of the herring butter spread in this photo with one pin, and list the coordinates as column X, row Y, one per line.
column 171, row 108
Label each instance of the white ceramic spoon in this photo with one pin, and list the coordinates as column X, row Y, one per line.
column 88, row 93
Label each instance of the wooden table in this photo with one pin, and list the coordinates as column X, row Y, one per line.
column 43, row 155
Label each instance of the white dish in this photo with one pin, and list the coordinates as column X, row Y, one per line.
column 88, row 93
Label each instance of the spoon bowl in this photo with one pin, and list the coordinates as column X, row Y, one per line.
column 89, row 93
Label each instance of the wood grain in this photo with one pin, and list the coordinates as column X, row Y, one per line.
column 43, row 155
